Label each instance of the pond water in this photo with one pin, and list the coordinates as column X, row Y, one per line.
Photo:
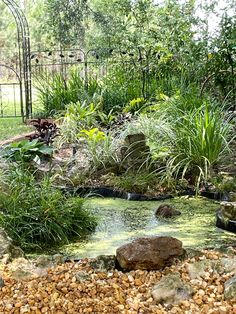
column 121, row 221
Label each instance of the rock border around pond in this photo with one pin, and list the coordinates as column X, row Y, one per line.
column 226, row 216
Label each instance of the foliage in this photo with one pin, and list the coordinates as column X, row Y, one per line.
column 221, row 61
column 53, row 93
column 78, row 116
column 135, row 105
column 46, row 130
column 102, row 148
column 64, row 20
column 139, row 182
column 26, row 151
column 201, row 139
column 37, row 215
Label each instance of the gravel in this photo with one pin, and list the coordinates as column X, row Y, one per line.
column 63, row 291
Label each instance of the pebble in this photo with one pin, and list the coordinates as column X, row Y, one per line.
column 115, row 292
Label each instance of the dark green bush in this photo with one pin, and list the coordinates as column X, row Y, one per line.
column 37, row 215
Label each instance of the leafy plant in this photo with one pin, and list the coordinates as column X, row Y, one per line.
column 37, row 215
column 135, row 105
column 202, row 138
column 101, row 148
column 78, row 117
column 55, row 93
column 26, row 151
column 141, row 182
column 46, row 130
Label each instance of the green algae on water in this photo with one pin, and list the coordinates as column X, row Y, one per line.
column 121, row 221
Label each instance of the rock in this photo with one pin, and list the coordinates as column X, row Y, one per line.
column 48, row 261
column 230, row 289
column 232, row 196
column 228, row 265
column 198, row 269
column 226, row 216
column 135, row 152
column 82, row 276
column 1, row 282
column 7, row 248
column 22, row 269
column 171, row 290
column 228, row 210
column 166, row 211
column 190, row 253
column 149, row 253
column 104, row 263
column 222, row 266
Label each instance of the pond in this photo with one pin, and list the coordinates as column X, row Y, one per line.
column 121, row 221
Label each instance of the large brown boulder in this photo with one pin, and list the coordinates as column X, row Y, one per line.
column 149, row 253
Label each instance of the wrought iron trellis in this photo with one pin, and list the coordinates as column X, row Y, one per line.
column 24, row 75
column 94, row 63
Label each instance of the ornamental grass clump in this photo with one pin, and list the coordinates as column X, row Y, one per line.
column 202, row 139
column 37, row 215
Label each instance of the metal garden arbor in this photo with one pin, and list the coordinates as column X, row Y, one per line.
column 23, row 73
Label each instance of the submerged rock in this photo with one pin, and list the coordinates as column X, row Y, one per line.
column 166, row 211
column 171, row 290
column 230, row 289
column 149, row 253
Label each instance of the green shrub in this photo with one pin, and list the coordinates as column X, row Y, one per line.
column 37, row 215
column 27, row 151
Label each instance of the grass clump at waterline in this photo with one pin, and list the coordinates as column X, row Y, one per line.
column 37, row 216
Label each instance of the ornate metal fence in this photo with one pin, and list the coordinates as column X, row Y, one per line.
column 95, row 64
column 15, row 71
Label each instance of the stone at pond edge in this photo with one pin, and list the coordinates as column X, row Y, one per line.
column 166, row 211
column 171, row 290
column 104, row 262
column 226, row 216
column 7, row 247
column 23, row 269
column 149, row 253
column 47, row 261
column 134, row 152
column 190, row 253
column 230, row 289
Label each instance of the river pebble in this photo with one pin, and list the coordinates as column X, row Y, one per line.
column 74, row 287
